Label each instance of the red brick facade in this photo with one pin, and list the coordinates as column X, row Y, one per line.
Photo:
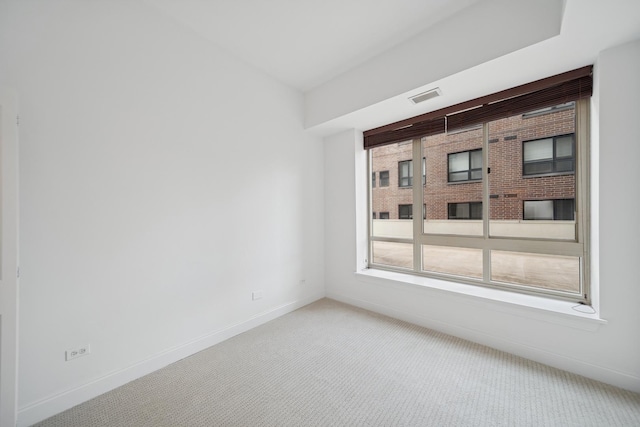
column 509, row 188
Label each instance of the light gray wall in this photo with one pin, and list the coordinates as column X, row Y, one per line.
column 162, row 181
column 609, row 352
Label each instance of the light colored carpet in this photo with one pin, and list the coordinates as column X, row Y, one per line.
column 330, row 364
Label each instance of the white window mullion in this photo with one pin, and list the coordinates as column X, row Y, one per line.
column 486, row 251
column 417, row 204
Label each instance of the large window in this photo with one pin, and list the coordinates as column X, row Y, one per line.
column 518, row 222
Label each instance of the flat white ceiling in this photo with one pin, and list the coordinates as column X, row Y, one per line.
column 304, row 43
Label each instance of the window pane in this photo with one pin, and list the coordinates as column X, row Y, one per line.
column 564, row 146
column 450, row 260
column 405, row 211
column 561, row 273
column 459, row 176
column 564, row 210
column 521, row 195
column 458, row 162
column 476, row 159
column 384, row 178
column 388, row 161
column 538, row 150
column 538, row 168
column 459, row 210
column 393, row 254
column 475, row 210
column 564, row 165
column 405, row 172
column 538, row 209
column 444, row 153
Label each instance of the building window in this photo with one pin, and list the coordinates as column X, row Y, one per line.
column 373, row 215
column 465, row 166
column 384, row 215
column 405, row 173
column 384, row 178
column 405, row 211
column 553, row 210
column 373, row 180
column 549, row 155
column 471, row 210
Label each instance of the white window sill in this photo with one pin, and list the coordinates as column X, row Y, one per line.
column 529, row 306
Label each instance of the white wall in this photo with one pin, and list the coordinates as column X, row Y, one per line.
column 162, row 181
column 608, row 352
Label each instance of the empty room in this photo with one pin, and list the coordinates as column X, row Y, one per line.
column 292, row 213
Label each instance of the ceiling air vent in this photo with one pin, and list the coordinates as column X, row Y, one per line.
column 421, row 97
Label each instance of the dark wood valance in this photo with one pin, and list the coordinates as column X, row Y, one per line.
column 559, row 89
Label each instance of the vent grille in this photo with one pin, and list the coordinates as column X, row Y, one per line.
column 424, row 96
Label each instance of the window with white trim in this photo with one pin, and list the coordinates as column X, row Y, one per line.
column 505, row 228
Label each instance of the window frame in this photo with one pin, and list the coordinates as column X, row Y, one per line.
column 576, row 248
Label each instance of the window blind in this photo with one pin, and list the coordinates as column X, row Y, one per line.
column 559, row 89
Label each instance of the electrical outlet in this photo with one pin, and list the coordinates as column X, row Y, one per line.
column 256, row 295
column 77, row 352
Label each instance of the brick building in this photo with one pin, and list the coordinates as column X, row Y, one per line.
column 532, row 171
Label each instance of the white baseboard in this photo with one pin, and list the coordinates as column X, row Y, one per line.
column 598, row 373
column 49, row 406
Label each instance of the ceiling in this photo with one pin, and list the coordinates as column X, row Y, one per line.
column 304, row 43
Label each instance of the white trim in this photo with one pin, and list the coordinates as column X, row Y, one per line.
column 624, row 380
column 529, row 306
column 9, row 291
column 54, row 404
